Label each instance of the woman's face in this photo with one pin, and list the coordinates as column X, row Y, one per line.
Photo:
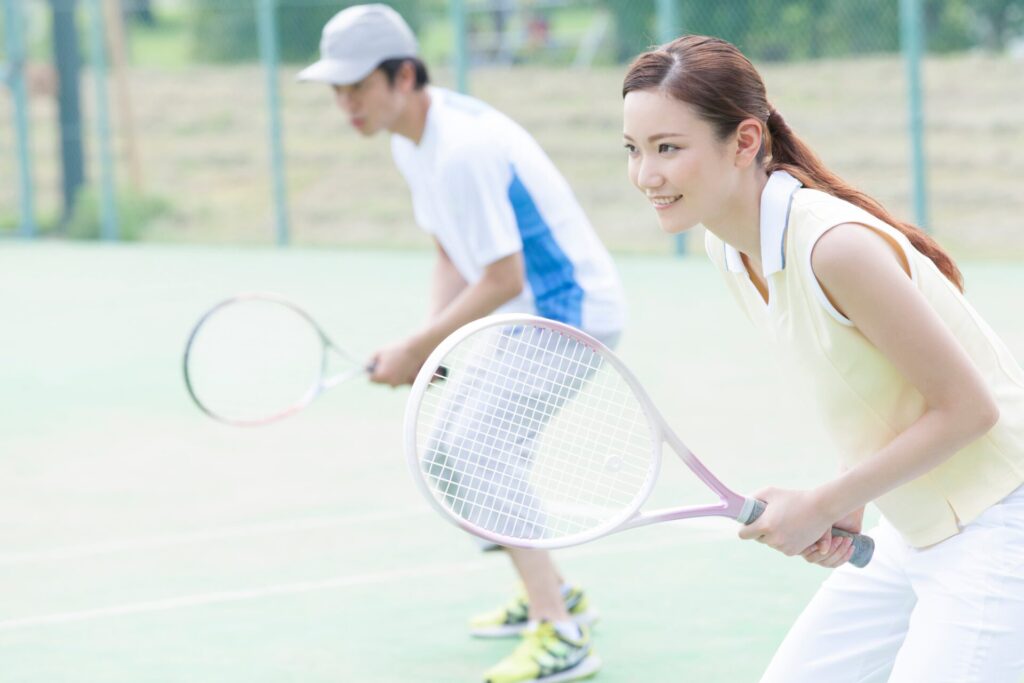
column 676, row 160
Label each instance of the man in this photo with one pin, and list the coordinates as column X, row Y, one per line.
column 510, row 237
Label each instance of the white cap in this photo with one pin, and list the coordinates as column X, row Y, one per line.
column 356, row 40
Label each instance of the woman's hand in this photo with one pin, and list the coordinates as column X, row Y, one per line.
column 831, row 551
column 792, row 523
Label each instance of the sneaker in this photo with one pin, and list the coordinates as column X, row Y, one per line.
column 546, row 656
column 511, row 619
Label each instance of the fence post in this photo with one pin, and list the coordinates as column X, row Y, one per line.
column 15, row 31
column 911, row 40
column 457, row 9
column 67, row 59
column 108, row 192
column 268, row 53
column 668, row 20
column 668, row 29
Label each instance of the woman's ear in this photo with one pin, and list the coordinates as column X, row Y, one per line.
column 749, row 136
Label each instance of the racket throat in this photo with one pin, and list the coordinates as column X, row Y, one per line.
column 671, row 514
column 342, row 377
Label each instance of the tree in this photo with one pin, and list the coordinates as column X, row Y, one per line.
column 225, row 30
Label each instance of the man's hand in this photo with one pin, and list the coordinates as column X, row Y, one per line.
column 398, row 364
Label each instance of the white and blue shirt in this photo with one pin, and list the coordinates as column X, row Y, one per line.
column 483, row 187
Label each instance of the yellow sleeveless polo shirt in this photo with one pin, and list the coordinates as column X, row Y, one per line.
column 864, row 400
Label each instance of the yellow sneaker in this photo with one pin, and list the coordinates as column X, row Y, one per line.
column 511, row 619
column 546, row 656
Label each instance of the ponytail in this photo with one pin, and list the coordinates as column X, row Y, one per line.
column 725, row 89
column 786, row 152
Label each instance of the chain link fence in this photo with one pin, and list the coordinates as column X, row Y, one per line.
column 211, row 139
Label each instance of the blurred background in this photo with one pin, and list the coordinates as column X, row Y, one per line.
column 181, row 120
column 157, row 156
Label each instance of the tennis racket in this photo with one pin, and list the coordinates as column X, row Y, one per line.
column 256, row 358
column 543, row 438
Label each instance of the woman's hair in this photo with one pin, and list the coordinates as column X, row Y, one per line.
column 724, row 88
column 390, row 68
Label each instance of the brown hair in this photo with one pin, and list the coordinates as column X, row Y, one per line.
column 724, row 87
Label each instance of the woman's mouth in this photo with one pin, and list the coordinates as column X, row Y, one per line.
column 665, row 201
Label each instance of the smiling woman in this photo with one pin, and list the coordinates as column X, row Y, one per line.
column 924, row 403
column 676, row 159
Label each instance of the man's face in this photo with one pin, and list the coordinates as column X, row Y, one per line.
column 372, row 104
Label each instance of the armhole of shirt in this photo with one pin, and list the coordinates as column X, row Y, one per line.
column 900, row 247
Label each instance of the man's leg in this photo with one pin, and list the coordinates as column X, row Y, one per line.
column 543, row 584
column 554, row 647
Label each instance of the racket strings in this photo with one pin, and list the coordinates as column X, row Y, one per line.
column 252, row 359
column 514, row 492
column 504, row 435
column 607, row 401
column 533, row 435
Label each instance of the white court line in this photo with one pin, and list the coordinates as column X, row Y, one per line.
column 75, row 552
column 203, row 599
column 241, row 531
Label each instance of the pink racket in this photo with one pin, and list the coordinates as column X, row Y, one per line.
column 543, row 438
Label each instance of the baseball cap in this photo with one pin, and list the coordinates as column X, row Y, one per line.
column 356, row 40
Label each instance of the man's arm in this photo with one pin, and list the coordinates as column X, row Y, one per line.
column 446, row 283
column 475, row 180
column 502, row 281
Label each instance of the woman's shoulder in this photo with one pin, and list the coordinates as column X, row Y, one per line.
column 814, row 212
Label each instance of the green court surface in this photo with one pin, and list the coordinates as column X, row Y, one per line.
column 141, row 543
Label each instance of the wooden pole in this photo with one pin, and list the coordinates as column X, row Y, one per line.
column 114, row 18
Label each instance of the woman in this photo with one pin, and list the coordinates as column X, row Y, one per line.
column 925, row 404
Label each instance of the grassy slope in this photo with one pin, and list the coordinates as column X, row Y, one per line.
column 202, row 132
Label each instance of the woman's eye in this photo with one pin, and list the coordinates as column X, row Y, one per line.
column 667, row 148
column 630, row 149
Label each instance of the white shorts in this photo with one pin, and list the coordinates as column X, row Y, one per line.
column 949, row 613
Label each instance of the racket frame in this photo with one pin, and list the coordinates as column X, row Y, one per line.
column 731, row 504
column 321, row 384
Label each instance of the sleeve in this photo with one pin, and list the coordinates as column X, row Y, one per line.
column 400, row 155
column 476, row 180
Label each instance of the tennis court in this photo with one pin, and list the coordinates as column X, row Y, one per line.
column 143, row 542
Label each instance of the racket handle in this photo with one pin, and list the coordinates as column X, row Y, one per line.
column 863, row 546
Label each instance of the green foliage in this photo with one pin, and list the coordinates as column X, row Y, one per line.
column 959, row 24
column 134, row 212
column 227, row 30
column 785, row 30
column 635, row 29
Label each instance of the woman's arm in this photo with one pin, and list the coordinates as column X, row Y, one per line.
column 864, row 277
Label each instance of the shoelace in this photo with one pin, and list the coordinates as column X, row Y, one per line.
column 538, row 638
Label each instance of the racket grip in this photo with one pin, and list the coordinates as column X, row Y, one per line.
column 863, row 546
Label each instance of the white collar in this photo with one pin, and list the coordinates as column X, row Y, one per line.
column 775, row 201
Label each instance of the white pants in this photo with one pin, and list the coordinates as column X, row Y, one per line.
column 949, row 613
